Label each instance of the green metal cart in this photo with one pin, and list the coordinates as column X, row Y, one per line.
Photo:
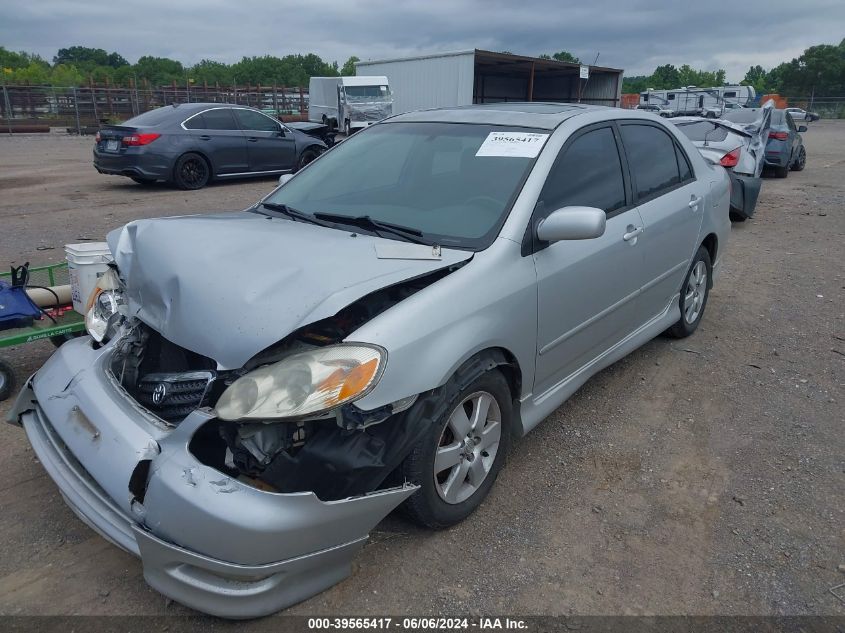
column 66, row 325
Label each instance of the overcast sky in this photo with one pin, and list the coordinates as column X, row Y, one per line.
column 635, row 35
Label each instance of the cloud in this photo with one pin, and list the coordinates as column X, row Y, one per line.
column 632, row 34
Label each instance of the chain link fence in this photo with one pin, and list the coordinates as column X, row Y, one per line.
column 79, row 108
column 825, row 107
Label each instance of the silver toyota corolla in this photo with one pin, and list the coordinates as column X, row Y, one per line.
column 259, row 389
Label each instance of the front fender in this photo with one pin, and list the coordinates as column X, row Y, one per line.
column 491, row 302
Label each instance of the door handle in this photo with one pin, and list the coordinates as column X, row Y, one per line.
column 205, row 137
column 252, row 139
column 632, row 233
column 694, row 202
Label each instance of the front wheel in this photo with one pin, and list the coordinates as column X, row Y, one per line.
column 457, row 460
column 191, row 172
column 306, row 157
column 694, row 294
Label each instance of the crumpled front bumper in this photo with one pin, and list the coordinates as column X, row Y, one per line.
column 205, row 539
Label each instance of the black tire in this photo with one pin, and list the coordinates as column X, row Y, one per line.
column 306, row 157
column 347, row 129
column 737, row 217
column 7, row 380
column 426, row 506
column 687, row 325
column 143, row 181
column 191, row 172
column 801, row 161
column 781, row 172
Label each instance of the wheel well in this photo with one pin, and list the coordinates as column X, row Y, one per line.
column 711, row 243
column 498, row 358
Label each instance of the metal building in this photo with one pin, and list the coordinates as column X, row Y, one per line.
column 477, row 76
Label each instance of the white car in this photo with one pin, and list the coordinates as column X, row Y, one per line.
column 799, row 114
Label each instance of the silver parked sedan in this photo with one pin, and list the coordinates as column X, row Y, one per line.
column 261, row 388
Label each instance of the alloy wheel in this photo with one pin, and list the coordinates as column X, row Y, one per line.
column 467, row 447
column 695, row 292
column 193, row 172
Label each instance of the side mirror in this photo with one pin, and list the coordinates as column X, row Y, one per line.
column 802, row 128
column 572, row 223
column 281, row 131
column 284, row 178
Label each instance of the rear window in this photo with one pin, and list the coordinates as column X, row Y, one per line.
column 153, row 117
column 219, row 119
column 703, row 131
column 743, row 115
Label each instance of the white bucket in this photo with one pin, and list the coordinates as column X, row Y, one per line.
column 86, row 263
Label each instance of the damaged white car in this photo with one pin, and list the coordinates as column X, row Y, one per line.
column 259, row 389
column 739, row 148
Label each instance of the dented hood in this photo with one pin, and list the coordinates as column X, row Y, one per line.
column 228, row 286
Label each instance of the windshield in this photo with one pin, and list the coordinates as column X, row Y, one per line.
column 367, row 93
column 433, row 177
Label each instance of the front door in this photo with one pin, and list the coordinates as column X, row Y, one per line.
column 270, row 146
column 588, row 290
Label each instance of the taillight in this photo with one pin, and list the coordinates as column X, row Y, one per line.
column 730, row 159
column 781, row 136
column 97, row 137
column 140, row 139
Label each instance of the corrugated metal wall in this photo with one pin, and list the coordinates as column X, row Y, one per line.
column 426, row 82
column 603, row 89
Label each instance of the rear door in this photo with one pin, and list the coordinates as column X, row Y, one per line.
column 671, row 203
column 270, row 147
column 216, row 134
column 587, row 290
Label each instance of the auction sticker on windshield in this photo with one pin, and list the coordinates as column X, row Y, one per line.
column 516, row 144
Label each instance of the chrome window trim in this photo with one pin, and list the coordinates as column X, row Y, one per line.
column 233, row 107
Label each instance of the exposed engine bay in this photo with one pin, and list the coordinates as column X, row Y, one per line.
column 336, row 454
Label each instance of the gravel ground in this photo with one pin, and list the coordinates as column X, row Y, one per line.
column 704, row 476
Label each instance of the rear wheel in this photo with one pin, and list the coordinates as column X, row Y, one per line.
column 694, row 293
column 801, row 161
column 7, row 380
column 457, row 461
column 191, row 172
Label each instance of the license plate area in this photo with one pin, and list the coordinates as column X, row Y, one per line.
column 112, row 145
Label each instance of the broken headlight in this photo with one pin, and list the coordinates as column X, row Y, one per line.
column 304, row 384
column 104, row 307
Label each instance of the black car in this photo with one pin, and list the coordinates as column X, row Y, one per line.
column 191, row 144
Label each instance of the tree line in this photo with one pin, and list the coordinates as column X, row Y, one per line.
column 820, row 70
column 77, row 65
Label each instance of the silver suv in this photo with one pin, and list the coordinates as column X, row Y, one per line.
column 261, row 388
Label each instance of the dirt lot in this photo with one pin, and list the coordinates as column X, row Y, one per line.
column 705, row 476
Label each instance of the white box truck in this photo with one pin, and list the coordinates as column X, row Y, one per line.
column 349, row 103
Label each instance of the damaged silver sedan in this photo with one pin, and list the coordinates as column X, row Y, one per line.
column 259, row 389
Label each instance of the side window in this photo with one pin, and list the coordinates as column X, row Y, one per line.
column 588, row 173
column 255, row 121
column 651, row 155
column 683, row 164
column 790, row 122
column 730, row 95
column 671, row 96
column 219, row 119
column 196, row 122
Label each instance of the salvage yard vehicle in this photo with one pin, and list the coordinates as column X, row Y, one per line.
column 799, row 114
column 349, row 103
column 192, row 144
column 738, row 148
column 785, row 149
column 259, row 389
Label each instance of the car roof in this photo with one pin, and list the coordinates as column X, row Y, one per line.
column 532, row 114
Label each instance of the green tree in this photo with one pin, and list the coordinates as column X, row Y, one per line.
column 665, row 77
column 566, row 56
column 348, row 69
column 159, row 70
column 211, row 72
column 88, row 58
